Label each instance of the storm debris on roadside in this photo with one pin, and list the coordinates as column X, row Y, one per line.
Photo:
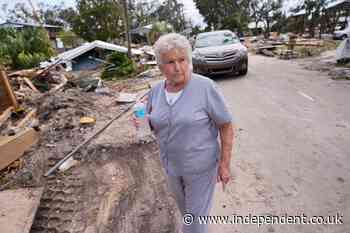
column 56, row 111
column 290, row 46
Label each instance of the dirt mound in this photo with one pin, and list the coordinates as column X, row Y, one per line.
column 117, row 186
column 113, row 190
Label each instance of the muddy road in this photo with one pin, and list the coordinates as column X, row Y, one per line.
column 292, row 148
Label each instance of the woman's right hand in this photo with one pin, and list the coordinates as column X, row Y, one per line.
column 136, row 121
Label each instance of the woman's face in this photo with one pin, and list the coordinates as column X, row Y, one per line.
column 175, row 67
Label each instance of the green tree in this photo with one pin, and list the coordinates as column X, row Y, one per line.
column 67, row 15
column 267, row 11
column 141, row 13
column 315, row 11
column 69, row 39
column 171, row 11
column 158, row 29
column 281, row 24
column 48, row 14
column 98, row 20
column 24, row 49
column 225, row 14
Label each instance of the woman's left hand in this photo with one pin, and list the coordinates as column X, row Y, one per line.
column 224, row 173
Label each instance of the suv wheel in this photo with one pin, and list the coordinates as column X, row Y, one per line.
column 244, row 68
column 343, row 37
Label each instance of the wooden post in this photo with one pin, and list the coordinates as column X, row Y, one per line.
column 7, row 97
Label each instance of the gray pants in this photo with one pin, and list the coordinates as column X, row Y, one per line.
column 194, row 194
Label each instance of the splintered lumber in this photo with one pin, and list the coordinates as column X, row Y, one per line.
column 25, row 121
column 5, row 115
column 13, row 147
column 7, row 97
column 59, row 86
column 18, row 209
column 24, row 73
column 31, row 85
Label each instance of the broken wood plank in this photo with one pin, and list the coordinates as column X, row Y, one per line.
column 24, row 122
column 7, row 97
column 18, row 209
column 31, row 85
column 59, row 86
column 5, row 115
column 24, row 73
column 19, row 94
column 13, row 147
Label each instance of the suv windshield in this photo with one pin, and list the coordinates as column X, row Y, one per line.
column 216, row 40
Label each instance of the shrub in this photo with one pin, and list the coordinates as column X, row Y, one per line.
column 24, row 49
column 119, row 66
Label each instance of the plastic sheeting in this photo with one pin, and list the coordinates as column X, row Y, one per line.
column 343, row 50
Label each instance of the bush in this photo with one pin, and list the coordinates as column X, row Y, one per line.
column 119, row 66
column 28, row 60
column 24, row 49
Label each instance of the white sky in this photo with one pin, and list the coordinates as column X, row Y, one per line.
column 190, row 9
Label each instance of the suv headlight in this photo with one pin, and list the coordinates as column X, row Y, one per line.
column 242, row 52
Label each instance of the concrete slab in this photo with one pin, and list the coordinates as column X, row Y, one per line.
column 18, row 208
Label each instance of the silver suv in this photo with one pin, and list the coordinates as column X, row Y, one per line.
column 219, row 52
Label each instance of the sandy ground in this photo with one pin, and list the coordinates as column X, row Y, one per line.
column 292, row 147
column 290, row 157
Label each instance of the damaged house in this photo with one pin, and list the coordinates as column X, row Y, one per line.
column 88, row 56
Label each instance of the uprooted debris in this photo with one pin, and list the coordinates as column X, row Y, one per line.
column 30, row 84
column 291, row 47
column 340, row 74
column 327, row 63
column 110, row 185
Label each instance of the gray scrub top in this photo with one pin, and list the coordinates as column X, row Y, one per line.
column 187, row 131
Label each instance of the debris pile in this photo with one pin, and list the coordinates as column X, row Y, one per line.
column 114, row 181
column 290, row 46
column 327, row 63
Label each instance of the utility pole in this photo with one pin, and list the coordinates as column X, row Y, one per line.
column 126, row 21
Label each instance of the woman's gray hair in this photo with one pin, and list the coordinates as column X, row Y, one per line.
column 171, row 41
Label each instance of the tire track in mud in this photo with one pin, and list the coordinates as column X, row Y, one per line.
column 59, row 204
column 123, row 190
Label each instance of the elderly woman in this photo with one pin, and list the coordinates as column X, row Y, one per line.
column 187, row 113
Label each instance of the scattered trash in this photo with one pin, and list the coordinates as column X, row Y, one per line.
column 289, row 46
column 126, row 97
column 88, row 84
column 87, row 120
column 267, row 53
column 151, row 73
column 288, row 54
column 71, row 162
